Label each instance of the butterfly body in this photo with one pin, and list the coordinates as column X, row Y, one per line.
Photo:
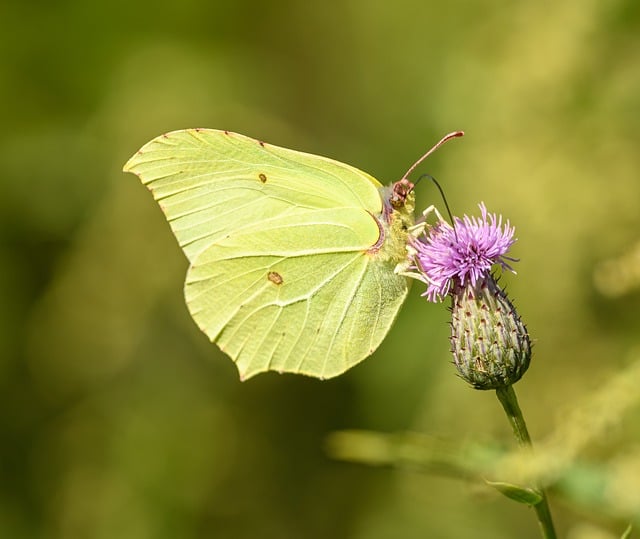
column 292, row 256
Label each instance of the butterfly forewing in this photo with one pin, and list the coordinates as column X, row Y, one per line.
column 210, row 182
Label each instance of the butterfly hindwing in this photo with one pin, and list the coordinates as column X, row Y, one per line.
column 316, row 305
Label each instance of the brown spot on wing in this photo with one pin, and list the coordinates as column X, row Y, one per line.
column 275, row 277
column 263, row 177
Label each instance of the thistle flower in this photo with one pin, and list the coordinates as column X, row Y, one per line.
column 489, row 342
column 463, row 253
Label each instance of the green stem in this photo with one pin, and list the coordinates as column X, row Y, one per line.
column 507, row 397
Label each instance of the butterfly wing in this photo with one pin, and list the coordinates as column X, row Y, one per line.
column 283, row 248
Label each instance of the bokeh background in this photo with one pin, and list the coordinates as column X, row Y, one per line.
column 119, row 419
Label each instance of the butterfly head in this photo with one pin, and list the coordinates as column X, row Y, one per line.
column 400, row 190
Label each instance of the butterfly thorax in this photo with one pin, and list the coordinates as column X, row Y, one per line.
column 395, row 223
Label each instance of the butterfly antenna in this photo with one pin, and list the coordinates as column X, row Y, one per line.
column 442, row 141
column 444, row 199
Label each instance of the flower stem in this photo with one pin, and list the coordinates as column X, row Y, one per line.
column 507, row 397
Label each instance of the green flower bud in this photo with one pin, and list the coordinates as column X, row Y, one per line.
column 489, row 342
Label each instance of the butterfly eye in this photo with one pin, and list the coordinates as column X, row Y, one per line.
column 400, row 192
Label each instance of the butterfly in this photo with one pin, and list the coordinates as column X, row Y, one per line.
column 292, row 257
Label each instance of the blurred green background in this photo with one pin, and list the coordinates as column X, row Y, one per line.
column 119, row 419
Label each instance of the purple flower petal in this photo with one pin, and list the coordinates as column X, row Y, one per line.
column 465, row 253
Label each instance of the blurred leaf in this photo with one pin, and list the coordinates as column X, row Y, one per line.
column 525, row 495
column 610, row 489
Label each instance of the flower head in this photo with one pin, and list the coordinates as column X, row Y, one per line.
column 490, row 344
column 464, row 253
